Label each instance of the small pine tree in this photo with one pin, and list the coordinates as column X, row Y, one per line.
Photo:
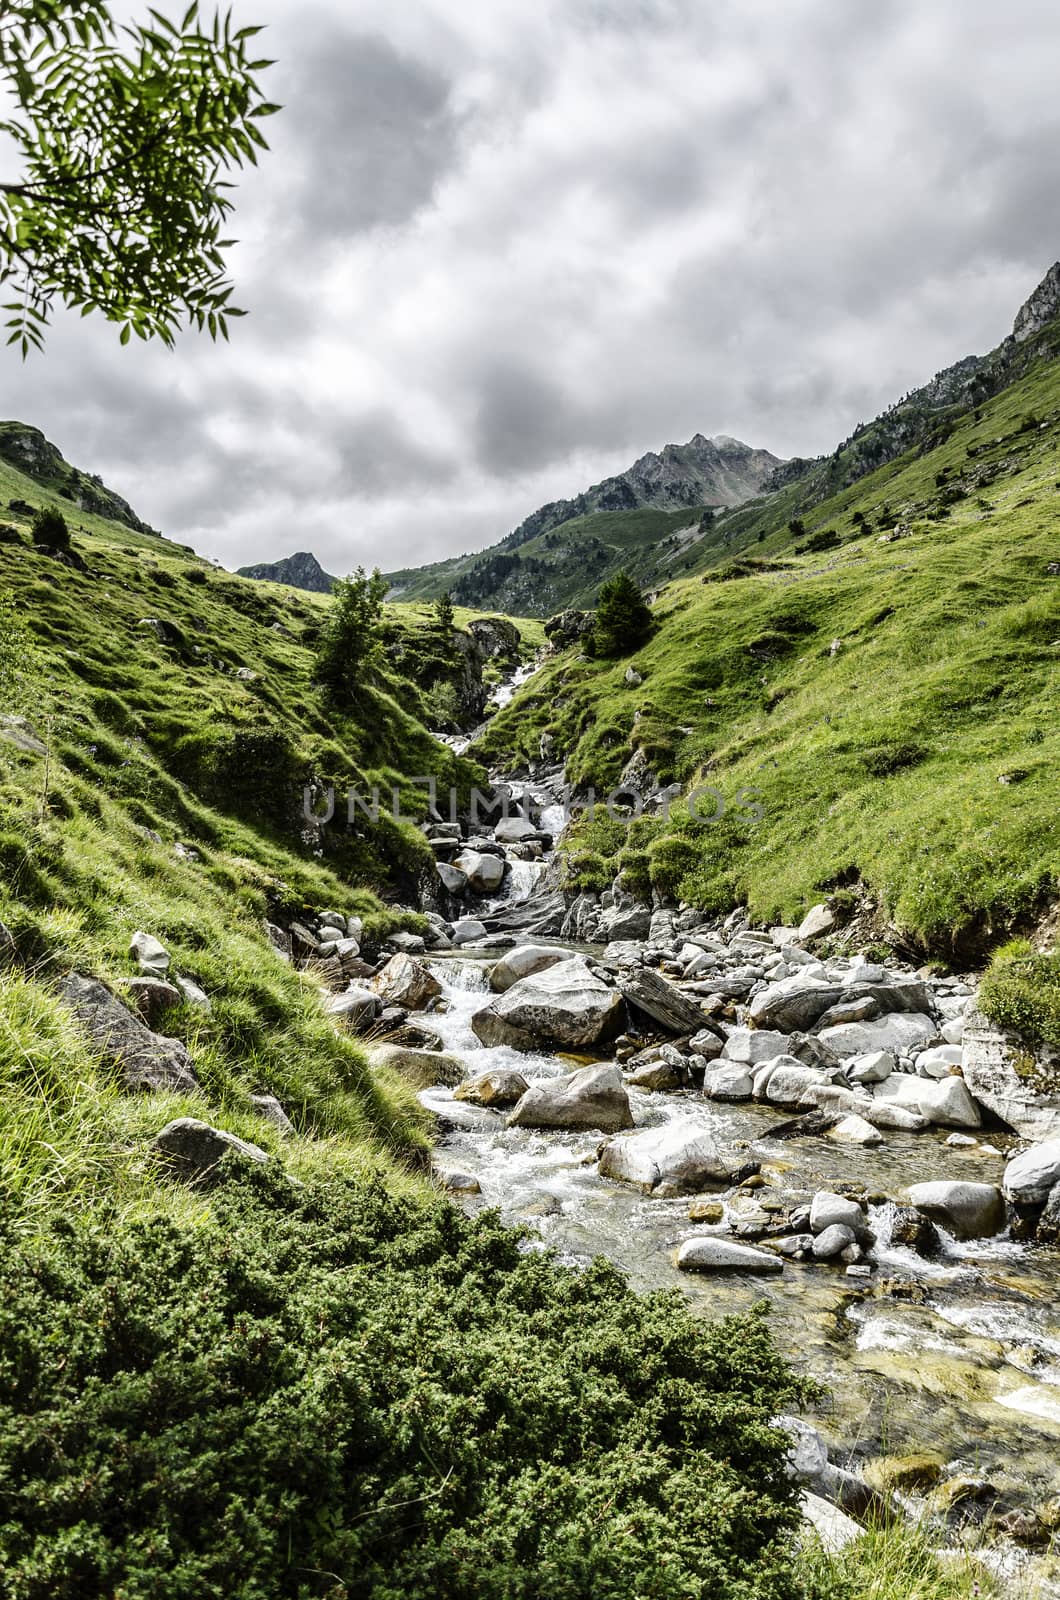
column 623, row 617
column 49, row 529
column 443, row 613
column 350, row 639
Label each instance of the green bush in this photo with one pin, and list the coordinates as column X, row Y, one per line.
column 49, row 529
column 331, row 1392
column 669, row 858
column 1021, row 991
column 623, row 617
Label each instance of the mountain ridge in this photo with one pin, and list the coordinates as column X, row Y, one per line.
column 299, row 571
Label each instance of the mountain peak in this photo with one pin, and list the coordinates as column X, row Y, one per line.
column 300, row 571
column 1042, row 307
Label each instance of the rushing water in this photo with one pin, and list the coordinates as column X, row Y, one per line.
column 959, row 1355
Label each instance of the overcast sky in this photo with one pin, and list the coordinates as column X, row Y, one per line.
column 500, row 248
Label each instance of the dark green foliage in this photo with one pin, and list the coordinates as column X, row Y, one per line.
column 333, row 1392
column 623, row 618
column 350, row 639
column 827, row 539
column 49, row 529
column 1021, row 990
column 443, row 612
column 125, row 135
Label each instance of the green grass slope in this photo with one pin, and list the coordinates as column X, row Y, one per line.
column 891, row 698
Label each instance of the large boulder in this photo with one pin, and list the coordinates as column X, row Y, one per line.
column 484, row 873
column 650, row 992
column 355, row 1009
column 944, row 1102
column 753, row 1046
column 152, row 997
column 566, row 1005
column 592, row 1097
column 968, row 1210
column 679, row 1158
column 898, row 1033
column 799, row 1001
column 522, row 962
column 404, row 981
column 1001, row 1072
column 195, row 1150
column 515, row 830
column 421, row 1069
column 147, row 1061
column 1033, row 1174
column 496, row 637
column 708, row 1253
column 791, row 1084
column 828, row 1210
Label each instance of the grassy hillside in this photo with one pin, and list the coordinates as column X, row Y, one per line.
column 890, row 697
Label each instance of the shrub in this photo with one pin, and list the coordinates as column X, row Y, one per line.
column 670, row 857
column 49, row 529
column 1021, row 991
column 331, row 1391
column 350, row 638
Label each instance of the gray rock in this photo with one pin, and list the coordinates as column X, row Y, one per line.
column 280, row 940
column 875, row 1067
column 522, row 962
column 1031, row 1176
column 404, row 981
column 833, row 1527
column 21, row 733
column 193, row 995
column 422, row 1069
column 832, row 1242
column 944, row 1102
column 457, row 1182
column 515, row 830
column 797, row 1002
column 853, row 1129
column 152, row 997
column 452, row 879
column 708, row 1253
column 728, row 1082
column 355, row 1009
column 649, row 992
column 754, row 1046
column 679, row 1158
column 593, row 1097
column 995, row 1066
column 815, row 924
column 484, row 873
column 968, row 1210
column 153, row 958
column 409, row 944
column 1048, row 1231
column 827, row 1210
column 790, row 1083
column 939, row 1062
column 499, row 1087
column 658, row 1075
column 196, row 1149
column 468, row 931
column 628, row 922
column 147, row 1061
column 899, row 1033
column 267, row 1106
column 565, row 1004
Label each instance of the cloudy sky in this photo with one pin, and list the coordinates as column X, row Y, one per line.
column 500, row 248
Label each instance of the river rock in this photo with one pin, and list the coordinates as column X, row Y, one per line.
column 798, row 1001
column 754, row 1046
column 408, row 944
column 196, row 1150
column 452, row 879
column 523, row 962
column 945, row 1102
column 728, row 1082
column 649, row 992
column 968, row 1210
column 790, row 1083
column 147, row 1061
column 501, row 1086
column 708, row 1253
column 815, row 924
column 1048, row 1231
column 828, row 1210
column 941, row 1061
column 658, row 1075
column 404, row 981
column 593, row 1097
column 680, row 1158
column 516, row 830
column 833, row 1527
column 484, row 873
column 875, row 1067
column 356, row 1008
column 566, row 1005
column 832, row 1242
column 468, row 930
column 853, row 1129
column 999, row 1071
column 1031, row 1176
column 421, row 1069
column 899, row 1033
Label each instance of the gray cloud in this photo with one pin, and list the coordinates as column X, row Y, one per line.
column 498, row 251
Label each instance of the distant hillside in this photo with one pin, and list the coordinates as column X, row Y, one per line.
column 27, row 450
column 640, row 519
column 300, row 571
